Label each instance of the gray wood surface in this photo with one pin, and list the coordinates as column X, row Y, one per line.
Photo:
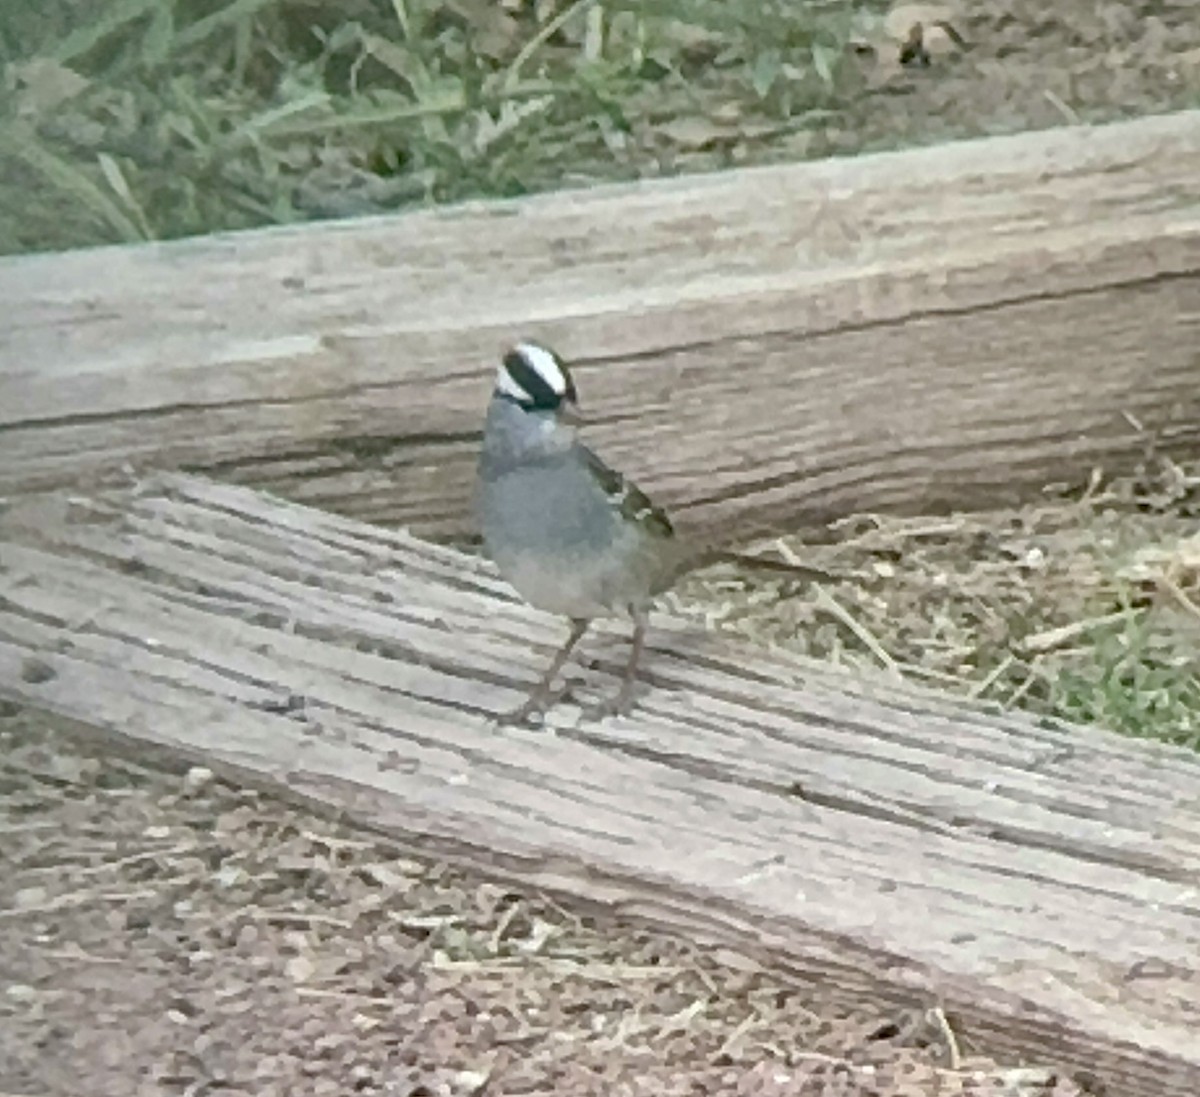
column 1042, row 884
column 942, row 327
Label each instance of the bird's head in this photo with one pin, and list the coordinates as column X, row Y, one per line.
column 537, row 380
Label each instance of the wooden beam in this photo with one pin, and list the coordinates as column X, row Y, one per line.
column 934, row 328
column 1040, row 884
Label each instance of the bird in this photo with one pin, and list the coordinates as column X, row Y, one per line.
column 573, row 536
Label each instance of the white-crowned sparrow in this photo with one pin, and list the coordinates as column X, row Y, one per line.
column 569, row 533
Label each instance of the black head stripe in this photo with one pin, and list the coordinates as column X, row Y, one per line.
column 542, row 396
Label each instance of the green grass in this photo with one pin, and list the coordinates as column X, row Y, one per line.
column 148, row 119
column 1132, row 678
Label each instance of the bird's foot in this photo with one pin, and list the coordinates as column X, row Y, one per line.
column 621, row 704
column 535, row 705
column 524, row 715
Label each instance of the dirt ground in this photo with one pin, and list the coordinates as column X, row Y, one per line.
column 171, row 934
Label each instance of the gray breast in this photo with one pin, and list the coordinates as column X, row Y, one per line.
column 553, row 536
column 550, row 527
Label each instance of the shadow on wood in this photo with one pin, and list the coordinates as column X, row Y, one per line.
column 1041, row 884
column 937, row 328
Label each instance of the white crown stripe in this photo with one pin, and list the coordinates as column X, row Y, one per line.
column 506, row 385
column 545, row 364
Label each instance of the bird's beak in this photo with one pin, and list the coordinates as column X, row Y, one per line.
column 569, row 413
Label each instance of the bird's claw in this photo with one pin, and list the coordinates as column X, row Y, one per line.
column 536, row 704
column 620, row 705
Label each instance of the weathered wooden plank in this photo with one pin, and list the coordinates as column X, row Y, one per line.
column 924, row 329
column 1041, row 883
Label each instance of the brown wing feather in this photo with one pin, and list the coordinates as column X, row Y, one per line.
column 630, row 500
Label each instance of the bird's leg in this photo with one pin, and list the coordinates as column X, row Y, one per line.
column 623, row 701
column 625, row 696
column 541, row 694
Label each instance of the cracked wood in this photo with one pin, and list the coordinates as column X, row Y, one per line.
column 935, row 328
column 1039, row 883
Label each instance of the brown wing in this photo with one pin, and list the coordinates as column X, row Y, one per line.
column 630, row 500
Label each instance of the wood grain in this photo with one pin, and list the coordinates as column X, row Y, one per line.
column 934, row 328
column 1040, row 883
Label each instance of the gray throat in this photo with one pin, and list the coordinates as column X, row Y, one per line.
column 515, row 437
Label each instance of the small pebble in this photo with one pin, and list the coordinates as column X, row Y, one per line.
column 196, row 778
column 37, row 671
column 24, row 898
